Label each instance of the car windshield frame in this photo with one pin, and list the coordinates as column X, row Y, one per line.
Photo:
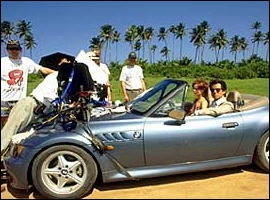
column 146, row 103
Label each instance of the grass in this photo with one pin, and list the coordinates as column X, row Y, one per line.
column 256, row 86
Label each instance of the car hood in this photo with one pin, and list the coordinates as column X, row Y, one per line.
column 115, row 116
column 116, row 122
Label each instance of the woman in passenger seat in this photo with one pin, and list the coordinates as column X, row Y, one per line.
column 200, row 89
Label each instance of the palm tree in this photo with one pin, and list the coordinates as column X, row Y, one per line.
column 217, row 42
column 162, row 35
column 23, row 28
column 205, row 28
column 256, row 39
column 106, row 33
column 234, row 45
column 116, row 39
column 7, row 29
column 223, row 41
column 137, row 47
column 214, row 44
column 173, row 30
column 243, row 44
column 153, row 49
column 256, row 26
column 96, row 43
column 197, row 37
column 29, row 43
column 165, row 52
column 141, row 38
column 131, row 36
column 149, row 34
column 180, row 33
column 266, row 42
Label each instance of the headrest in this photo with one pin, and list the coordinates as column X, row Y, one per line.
column 236, row 98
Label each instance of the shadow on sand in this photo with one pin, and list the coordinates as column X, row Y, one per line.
column 25, row 194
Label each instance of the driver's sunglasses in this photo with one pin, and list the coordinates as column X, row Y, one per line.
column 14, row 49
column 216, row 89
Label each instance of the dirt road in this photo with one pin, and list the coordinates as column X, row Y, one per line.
column 242, row 182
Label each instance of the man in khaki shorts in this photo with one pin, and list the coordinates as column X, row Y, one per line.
column 132, row 79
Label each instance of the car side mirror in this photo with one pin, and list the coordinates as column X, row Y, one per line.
column 177, row 114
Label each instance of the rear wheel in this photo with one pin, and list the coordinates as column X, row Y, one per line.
column 64, row 172
column 261, row 154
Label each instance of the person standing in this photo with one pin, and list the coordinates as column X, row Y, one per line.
column 30, row 107
column 14, row 76
column 95, row 56
column 132, row 79
column 22, row 113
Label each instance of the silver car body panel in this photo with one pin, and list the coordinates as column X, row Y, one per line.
column 147, row 143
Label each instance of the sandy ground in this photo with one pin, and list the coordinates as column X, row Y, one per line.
column 243, row 182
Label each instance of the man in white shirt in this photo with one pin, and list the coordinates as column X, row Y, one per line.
column 23, row 111
column 26, row 109
column 132, row 79
column 14, row 75
column 14, row 72
column 95, row 56
column 220, row 104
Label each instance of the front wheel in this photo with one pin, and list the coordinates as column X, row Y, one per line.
column 261, row 154
column 64, row 172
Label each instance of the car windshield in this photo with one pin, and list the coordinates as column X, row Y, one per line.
column 155, row 95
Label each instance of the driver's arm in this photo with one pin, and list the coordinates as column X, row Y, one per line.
column 226, row 107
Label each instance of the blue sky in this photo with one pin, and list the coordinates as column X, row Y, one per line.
column 69, row 26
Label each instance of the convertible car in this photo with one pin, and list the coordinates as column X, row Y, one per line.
column 152, row 136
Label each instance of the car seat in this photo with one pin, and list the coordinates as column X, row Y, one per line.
column 236, row 98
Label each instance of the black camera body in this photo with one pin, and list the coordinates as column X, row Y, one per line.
column 39, row 109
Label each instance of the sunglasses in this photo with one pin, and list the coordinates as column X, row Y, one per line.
column 216, row 89
column 14, row 49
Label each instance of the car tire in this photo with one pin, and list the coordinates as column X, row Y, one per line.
column 261, row 154
column 64, row 172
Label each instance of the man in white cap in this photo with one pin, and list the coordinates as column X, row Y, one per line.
column 95, row 56
column 132, row 79
column 30, row 107
column 14, row 75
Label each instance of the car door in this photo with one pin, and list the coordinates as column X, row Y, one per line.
column 200, row 138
